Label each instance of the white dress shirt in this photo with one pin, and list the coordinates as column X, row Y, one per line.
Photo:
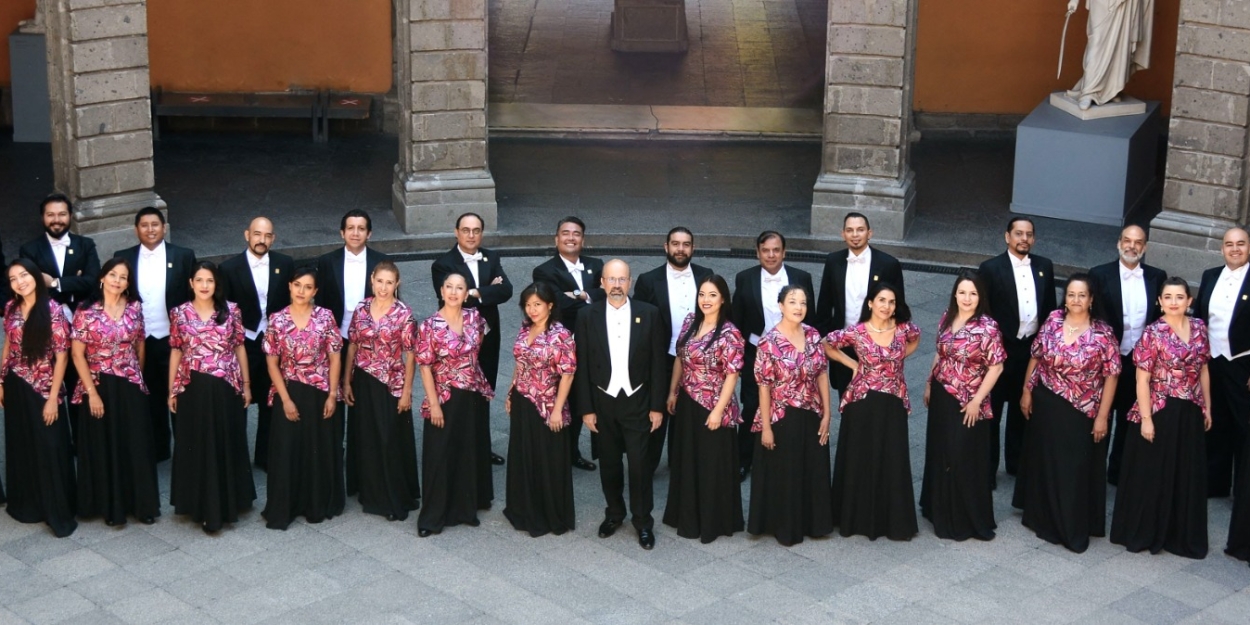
column 857, row 270
column 260, row 279
column 354, row 278
column 682, row 293
column 1220, row 310
column 1026, row 295
column 59, row 247
column 471, row 261
column 1133, row 300
column 576, row 269
column 770, row 288
column 619, row 320
column 150, row 275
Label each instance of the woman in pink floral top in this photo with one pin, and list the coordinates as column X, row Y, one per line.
column 872, row 489
column 540, row 474
column 1160, row 503
column 1069, row 388
column 38, row 460
column 704, row 491
column 381, row 443
column 956, row 493
column 793, row 426
column 457, row 478
column 209, row 395
column 305, row 474
column 116, row 462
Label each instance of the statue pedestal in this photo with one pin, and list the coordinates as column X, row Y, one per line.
column 649, row 26
column 28, row 64
column 1094, row 171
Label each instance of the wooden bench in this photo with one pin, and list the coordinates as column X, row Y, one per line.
column 256, row 105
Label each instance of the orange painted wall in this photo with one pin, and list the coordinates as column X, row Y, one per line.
column 11, row 12
column 1000, row 56
column 270, row 45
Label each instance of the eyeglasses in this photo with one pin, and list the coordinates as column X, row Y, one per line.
column 616, row 280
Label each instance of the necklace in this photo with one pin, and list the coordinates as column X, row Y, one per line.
column 872, row 328
column 1074, row 329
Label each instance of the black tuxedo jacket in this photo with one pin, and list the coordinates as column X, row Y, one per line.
column 179, row 269
column 652, row 288
column 1000, row 280
column 748, row 310
column 330, row 280
column 594, row 362
column 82, row 267
column 236, row 273
column 488, row 269
column 1239, row 329
column 831, row 307
column 1107, row 280
column 554, row 272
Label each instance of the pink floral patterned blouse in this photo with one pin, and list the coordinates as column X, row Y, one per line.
column 1075, row 372
column 381, row 345
column 539, row 367
column 39, row 374
column 880, row 368
column 112, row 346
column 207, row 347
column 704, row 367
column 792, row 376
column 1175, row 366
column 965, row 356
column 303, row 355
column 453, row 357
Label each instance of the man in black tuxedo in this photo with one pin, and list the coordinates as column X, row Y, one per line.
column 576, row 277
column 1129, row 290
column 257, row 281
column 70, row 265
column 672, row 288
column 162, row 277
column 343, row 275
column 1223, row 304
column 1021, row 291
column 620, row 392
column 488, row 288
column 844, row 286
column 755, row 312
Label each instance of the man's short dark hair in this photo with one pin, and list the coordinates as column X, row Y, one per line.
column 356, row 212
column 1011, row 223
column 571, row 220
column 680, row 229
column 149, row 210
column 853, row 215
column 463, row 215
column 768, row 234
column 53, row 199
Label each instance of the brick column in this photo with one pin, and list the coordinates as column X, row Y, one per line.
column 101, row 119
column 1204, row 192
column 868, row 96
column 443, row 169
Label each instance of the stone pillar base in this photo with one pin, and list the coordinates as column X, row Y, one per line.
column 1187, row 244
column 428, row 203
column 110, row 221
column 888, row 204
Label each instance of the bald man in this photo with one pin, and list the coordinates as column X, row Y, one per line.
column 1129, row 291
column 256, row 281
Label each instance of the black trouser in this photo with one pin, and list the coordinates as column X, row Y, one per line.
column 749, row 397
column 258, row 366
column 156, row 375
column 1007, row 391
column 625, row 428
column 839, row 374
column 655, row 448
column 1230, row 399
column 1125, row 395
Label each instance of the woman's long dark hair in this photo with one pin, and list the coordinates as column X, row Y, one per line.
column 952, row 309
column 1095, row 303
column 219, row 295
column 547, row 294
column 37, row 329
column 97, row 294
column 721, row 318
column 902, row 313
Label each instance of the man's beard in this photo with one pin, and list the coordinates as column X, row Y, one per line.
column 672, row 260
column 1124, row 256
column 55, row 235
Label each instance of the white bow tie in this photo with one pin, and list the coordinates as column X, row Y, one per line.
column 476, row 258
column 64, row 242
column 356, row 260
column 1017, row 263
column 684, row 273
column 147, row 254
column 773, row 279
column 578, row 266
column 260, row 262
column 1126, row 274
column 856, row 260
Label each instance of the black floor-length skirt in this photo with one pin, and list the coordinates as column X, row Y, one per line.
column 381, row 451
column 1239, row 525
column 872, row 488
column 790, row 483
column 1062, row 485
column 1161, row 501
column 38, row 460
column 450, row 468
column 704, row 492
column 303, row 476
column 485, row 487
column 211, row 474
column 116, row 458
column 954, row 494
column 540, row 473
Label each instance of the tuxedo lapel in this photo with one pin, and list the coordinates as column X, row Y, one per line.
column 1240, row 305
column 49, row 259
column 276, row 281
column 1039, row 283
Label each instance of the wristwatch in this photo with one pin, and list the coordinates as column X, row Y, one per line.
column 577, row 293
column 56, row 284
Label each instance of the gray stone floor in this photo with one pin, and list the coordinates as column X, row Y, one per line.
column 358, row 568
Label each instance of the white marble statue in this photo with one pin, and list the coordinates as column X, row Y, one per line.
column 1118, row 45
column 35, row 24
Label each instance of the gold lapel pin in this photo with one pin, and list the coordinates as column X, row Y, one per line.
column 277, row 270
column 637, row 319
column 1040, row 274
column 169, row 265
column 875, row 279
column 590, row 271
column 485, row 259
column 1243, row 298
column 69, row 250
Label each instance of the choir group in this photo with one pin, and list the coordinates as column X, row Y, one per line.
column 97, row 359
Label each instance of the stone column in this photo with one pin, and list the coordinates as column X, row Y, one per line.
column 101, row 119
column 443, row 169
column 1204, row 192
column 868, row 96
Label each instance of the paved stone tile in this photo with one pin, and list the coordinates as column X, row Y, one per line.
column 1047, row 606
column 205, row 587
column 74, row 566
column 33, row 548
column 153, row 606
column 131, row 546
column 1152, row 607
column 353, row 569
column 770, row 600
column 98, row 616
column 1002, row 585
column 1232, row 608
column 1191, row 589
column 167, row 567
column 865, row 602
column 820, row 582
column 1221, row 569
column 21, row 585
column 110, row 586
column 53, row 607
column 1110, row 616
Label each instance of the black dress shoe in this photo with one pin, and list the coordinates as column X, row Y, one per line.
column 147, row 520
column 583, row 464
column 496, row 459
column 646, row 538
column 424, row 533
column 608, row 528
